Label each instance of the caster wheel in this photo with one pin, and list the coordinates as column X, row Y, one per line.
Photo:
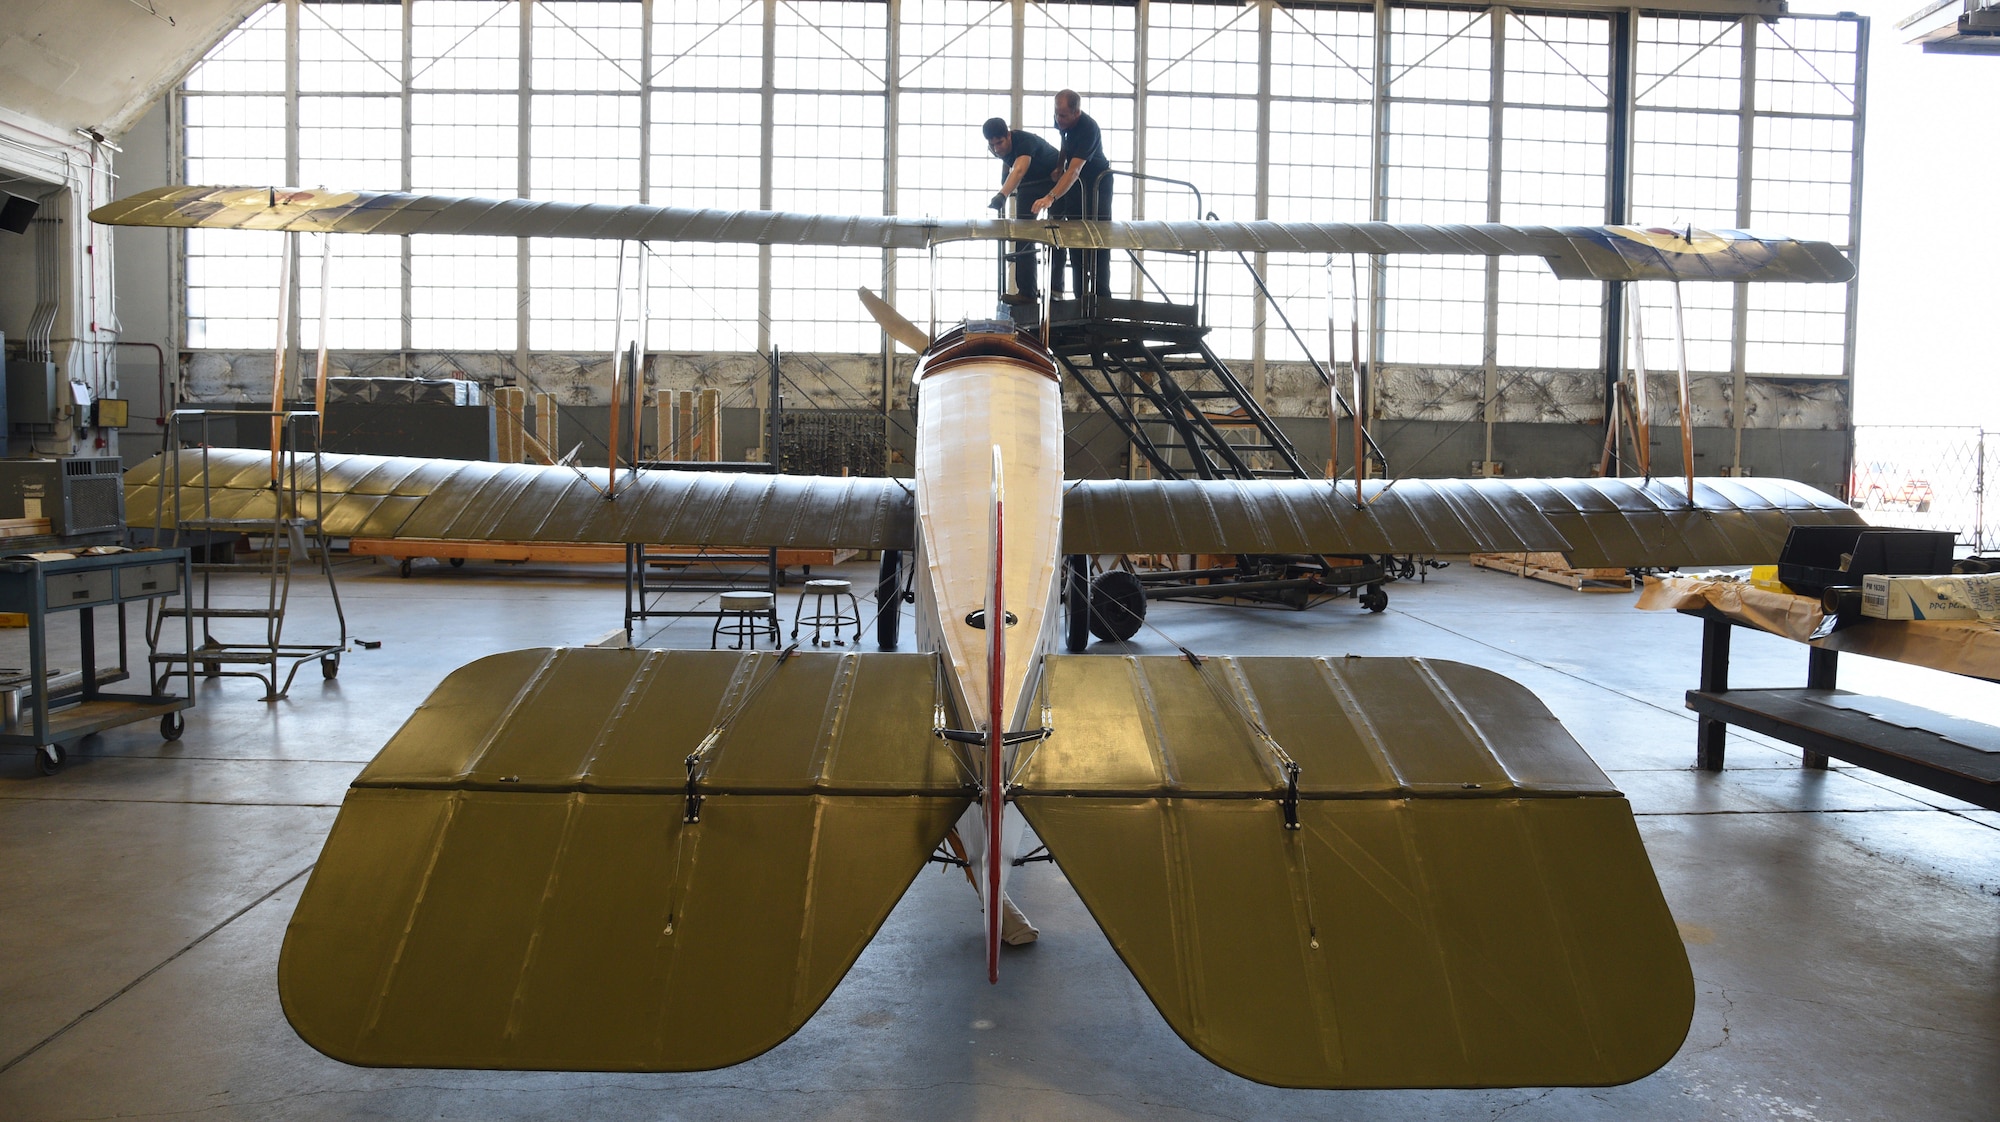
column 172, row 726
column 458, row 562
column 329, row 667
column 404, row 568
column 1375, row 598
column 49, row 759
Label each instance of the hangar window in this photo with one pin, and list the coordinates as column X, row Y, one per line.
column 855, row 106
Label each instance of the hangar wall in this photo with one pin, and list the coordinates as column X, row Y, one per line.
column 1526, row 397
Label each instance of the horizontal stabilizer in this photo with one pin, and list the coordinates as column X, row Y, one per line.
column 474, row 500
column 513, row 882
column 1466, row 901
column 1619, row 523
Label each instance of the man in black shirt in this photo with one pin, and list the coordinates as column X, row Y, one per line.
column 1082, row 157
column 1030, row 164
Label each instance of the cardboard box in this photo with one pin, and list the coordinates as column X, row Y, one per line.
column 1901, row 597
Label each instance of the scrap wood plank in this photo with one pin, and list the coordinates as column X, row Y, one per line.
column 24, row 527
column 1555, row 569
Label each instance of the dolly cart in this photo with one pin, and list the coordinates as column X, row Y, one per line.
column 43, row 712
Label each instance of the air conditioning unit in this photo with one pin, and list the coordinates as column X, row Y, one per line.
column 79, row 495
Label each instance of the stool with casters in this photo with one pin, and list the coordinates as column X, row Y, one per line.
column 745, row 615
column 836, row 617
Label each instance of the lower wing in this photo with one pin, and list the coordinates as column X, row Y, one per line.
column 1597, row 522
column 1606, row 522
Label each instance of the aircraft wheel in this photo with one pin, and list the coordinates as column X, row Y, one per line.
column 889, row 600
column 1076, row 600
column 172, row 726
column 49, row 758
column 1117, row 606
column 1374, row 598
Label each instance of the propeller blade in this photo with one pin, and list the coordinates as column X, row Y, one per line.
column 893, row 322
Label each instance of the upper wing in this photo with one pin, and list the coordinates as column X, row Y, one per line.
column 1596, row 522
column 409, row 497
column 1607, row 253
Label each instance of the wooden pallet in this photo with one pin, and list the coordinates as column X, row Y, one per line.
column 1555, row 569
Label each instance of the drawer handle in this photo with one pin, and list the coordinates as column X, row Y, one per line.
column 149, row 584
column 80, row 594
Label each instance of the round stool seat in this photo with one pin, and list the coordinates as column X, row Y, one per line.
column 745, row 615
column 828, row 611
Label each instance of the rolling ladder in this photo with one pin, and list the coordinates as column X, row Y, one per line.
column 285, row 516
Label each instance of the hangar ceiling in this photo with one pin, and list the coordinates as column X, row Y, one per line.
column 100, row 64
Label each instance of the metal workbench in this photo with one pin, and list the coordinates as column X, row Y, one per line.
column 44, row 714
column 1827, row 721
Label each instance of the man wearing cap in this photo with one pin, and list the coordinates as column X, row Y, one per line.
column 1030, row 169
column 1082, row 157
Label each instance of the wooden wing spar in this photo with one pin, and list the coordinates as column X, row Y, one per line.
column 1596, row 522
column 1603, row 253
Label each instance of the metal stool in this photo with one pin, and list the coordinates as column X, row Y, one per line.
column 745, row 615
column 819, row 590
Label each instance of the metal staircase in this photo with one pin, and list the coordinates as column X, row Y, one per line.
column 1185, row 412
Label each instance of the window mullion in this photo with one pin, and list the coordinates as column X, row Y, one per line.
column 524, row 99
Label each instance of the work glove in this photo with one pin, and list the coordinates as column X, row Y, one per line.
column 999, row 203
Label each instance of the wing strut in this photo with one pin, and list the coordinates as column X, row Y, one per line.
column 1681, row 356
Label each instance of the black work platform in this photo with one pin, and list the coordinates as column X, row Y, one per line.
column 1819, row 720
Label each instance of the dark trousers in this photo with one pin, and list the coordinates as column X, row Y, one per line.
column 1023, row 255
column 1078, row 203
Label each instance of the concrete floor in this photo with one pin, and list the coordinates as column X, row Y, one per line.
column 1844, row 928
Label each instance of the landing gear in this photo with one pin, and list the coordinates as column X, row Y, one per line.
column 889, row 600
column 1076, row 602
column 1117, row 606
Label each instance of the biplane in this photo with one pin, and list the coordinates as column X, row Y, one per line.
column 1335, row 872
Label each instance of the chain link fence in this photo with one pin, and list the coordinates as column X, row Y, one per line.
column 1928, row 477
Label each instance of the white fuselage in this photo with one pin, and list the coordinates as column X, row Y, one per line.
column 965, row 409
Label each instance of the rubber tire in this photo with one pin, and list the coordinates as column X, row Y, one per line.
column 1117, row 606
column 329, row 666
column 889, row 600
column 49, row 759
column 458, row 562
column 172, row 726
column 1374, row 598
column 1076, row 600
column 404, row 568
